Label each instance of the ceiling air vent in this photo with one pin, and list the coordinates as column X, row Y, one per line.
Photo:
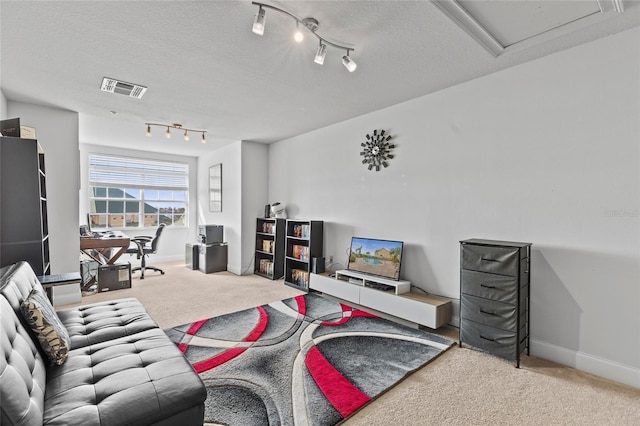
column 128, row 89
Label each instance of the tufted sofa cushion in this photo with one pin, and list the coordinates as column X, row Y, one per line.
column 22, row 366
column 99, row 322
column 103, row 384
column 121, row 370
column 22, row 372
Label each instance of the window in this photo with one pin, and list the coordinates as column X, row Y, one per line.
column 136, row 192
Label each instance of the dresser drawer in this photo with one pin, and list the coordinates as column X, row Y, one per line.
column 495, row 341
column 490, row 312
column 495, row 260
column 500, row 288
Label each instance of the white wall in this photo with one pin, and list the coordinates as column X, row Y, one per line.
column 254, row 197
column 244, row 195
column 57, row 132
column 172, row 242
column 230, row 156
column 546, row 152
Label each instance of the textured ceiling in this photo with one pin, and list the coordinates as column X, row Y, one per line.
column 204, row 67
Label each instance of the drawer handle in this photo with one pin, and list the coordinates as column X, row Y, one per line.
column 490, row 260
column 493, row 314
column 486, row 338
column 487, row 286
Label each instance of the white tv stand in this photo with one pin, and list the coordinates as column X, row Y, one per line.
column 401, row 303
column 371, row 281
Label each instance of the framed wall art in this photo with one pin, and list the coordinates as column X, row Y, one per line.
column 215, row 188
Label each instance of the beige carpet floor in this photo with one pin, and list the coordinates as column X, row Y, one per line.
column 461, row 387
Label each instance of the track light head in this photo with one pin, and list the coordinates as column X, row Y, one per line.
column 148, row 129
column 348, row 63
column 320, row 54
column 258, row 24
column 186, row 136
column 168, row 133
column 203, row 139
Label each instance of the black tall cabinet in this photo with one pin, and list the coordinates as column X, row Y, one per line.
column 24, row 230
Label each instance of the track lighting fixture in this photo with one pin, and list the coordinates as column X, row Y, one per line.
column 177, row 126
column 310, row 24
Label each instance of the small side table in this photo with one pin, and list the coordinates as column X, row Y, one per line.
column 50, row 281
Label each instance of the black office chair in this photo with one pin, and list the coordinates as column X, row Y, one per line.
column 144, row 246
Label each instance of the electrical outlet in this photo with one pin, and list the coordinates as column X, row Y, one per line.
column 330, row 260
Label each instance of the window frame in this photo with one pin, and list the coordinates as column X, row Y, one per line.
column 117, row 174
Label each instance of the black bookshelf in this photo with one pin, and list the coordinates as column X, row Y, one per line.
column 304, row 242
column 24, row 222
column 269, row 253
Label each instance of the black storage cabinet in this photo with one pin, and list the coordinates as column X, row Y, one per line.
column 213, row 258
column 494, row 296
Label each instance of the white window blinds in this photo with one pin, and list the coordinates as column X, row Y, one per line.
column 127, row 172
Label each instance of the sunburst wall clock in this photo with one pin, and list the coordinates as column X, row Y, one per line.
column 377, row 150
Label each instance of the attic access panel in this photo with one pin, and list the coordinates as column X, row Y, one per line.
column 512, row 22
column 512, row 25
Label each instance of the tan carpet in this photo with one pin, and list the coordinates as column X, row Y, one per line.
column 462, row 386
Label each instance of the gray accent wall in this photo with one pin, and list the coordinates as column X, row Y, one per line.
column 546, row 152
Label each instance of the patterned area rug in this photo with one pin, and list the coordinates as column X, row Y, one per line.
column 300, row 361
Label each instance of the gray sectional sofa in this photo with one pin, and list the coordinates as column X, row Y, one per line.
column 120, row 368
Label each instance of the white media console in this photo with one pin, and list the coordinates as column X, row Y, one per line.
column 385, row 296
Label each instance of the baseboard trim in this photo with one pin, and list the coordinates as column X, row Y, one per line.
column 234, row 269
column 591, row 364
column 455, row 321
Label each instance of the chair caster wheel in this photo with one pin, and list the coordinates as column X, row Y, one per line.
column 162, row 273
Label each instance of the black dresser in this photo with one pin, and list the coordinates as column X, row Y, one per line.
column 494, row 296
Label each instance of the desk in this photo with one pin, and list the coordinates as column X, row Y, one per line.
column 104, row 250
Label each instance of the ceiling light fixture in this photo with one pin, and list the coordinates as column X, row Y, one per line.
column 310, row 24
column 177, row 126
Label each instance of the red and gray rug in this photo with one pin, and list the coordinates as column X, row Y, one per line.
column 300, row 361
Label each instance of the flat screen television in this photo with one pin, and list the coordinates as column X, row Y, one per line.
column 381, row 258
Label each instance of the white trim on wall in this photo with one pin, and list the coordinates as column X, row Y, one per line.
column 582, row 361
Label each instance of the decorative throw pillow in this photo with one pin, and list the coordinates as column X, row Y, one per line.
column 52, row 335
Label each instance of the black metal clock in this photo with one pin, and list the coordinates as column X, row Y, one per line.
column 377, row 150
